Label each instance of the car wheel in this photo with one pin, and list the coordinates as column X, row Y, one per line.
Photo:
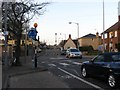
column 84, row 72
column 112, row 81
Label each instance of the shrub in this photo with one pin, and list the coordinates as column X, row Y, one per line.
column 86, row 48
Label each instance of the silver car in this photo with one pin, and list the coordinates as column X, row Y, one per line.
column 73, row 53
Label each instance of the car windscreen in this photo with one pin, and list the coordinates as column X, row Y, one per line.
column 74, row 50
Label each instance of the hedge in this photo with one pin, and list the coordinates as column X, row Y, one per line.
column 86, row 48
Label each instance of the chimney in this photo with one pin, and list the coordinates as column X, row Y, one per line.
column 69, row 35
column 119, row 11
column 97, row 34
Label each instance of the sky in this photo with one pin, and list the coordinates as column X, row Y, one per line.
column 88, row 13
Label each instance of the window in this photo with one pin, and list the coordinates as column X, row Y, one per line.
column 74, row 50
column 111, row 34
column 116, row 57
column 106, row 35
column 115, row 33
column 108, row 58
column 99, row 58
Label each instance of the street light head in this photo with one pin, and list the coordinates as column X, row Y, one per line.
column 70, row 22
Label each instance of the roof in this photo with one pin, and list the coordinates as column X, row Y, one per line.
column 75, row 42
column 64, row 41
column 116, row 26
column 89, row 36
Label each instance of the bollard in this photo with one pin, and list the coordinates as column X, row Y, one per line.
column 35, row 58
column 33, row 63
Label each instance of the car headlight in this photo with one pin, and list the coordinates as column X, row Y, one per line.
column 72, row 54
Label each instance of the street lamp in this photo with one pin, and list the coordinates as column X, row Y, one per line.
column 103, row 28
column 77, row 32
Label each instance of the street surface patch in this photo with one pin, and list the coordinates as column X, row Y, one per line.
column 58, row 58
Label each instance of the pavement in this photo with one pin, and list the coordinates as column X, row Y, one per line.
column 26, row 76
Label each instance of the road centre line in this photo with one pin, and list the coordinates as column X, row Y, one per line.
column 93, row 85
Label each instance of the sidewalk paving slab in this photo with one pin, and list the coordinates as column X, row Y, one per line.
column 43, row 79
column 26, row 76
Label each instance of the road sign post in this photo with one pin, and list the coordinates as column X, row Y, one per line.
column 32, row 34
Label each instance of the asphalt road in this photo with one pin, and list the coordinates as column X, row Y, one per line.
column 68, row 70
column 0, row 75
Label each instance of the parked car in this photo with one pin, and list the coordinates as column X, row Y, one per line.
column 105, row 65
column 73, row 53
column 63, row 52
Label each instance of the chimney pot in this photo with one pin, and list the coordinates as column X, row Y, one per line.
column 69, row 35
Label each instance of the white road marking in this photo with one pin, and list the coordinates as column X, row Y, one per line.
column 42, row 62
column 52, row 65
column 77, row 63
column 57, row 58
column 93, row 85
column 65, row 64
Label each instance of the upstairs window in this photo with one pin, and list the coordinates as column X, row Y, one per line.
column 115, row 33
column 111, row 34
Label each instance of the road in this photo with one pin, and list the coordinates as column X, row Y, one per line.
column 68, row 70
column 0, row 74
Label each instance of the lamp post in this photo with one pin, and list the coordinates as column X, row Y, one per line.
column 77, row 32
column 103, row 28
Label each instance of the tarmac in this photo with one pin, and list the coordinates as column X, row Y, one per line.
column 26, row 76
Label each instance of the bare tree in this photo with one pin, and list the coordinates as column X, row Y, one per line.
column 17, row 17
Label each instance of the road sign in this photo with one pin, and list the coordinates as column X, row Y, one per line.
column 32, row 33
column 35, row 25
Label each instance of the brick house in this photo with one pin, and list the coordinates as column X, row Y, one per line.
column 112, row 35
column 90, row 40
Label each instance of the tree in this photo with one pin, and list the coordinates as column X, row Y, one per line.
column 17, row 13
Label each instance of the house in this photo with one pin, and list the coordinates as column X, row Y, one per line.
column 12, row 39
column 90, row 40
column 112, row 35
column 69, row 43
